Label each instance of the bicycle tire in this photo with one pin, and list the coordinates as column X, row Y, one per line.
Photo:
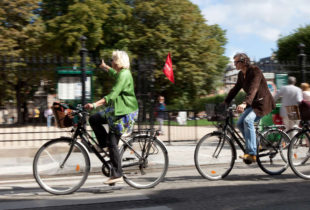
column 299, row 154
column 215, row 156
column 142, row 170
column 272, row 151
column 293, row 131
column 48, row 172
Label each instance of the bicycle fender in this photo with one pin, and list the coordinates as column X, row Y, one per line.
column 163, row 144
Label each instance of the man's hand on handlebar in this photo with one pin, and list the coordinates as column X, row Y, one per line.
column 241, row 107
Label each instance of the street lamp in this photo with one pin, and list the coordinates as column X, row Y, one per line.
column 302, row 61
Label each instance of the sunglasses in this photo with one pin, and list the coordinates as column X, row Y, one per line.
column 235, row 62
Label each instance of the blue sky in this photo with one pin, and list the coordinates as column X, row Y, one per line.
column 254, row 26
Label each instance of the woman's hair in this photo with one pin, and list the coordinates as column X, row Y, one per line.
column 304, row 86
column 243, row 58
column 121, row 59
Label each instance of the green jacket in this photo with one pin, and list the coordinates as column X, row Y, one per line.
column 122, row 95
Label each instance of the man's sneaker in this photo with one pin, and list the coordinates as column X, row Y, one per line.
column 247, row 158
column 114, row 180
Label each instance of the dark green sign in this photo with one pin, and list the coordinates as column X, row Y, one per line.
column 69, row 86
column 281, row 80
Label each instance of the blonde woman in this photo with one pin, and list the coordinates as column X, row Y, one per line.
column 305, row 87
column 120, row 113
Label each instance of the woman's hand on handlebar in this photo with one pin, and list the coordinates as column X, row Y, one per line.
column 95, row 104
column 89, row 106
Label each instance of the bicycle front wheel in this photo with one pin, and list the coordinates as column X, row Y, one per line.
column 57, row 172
column 299, row 154
column 144, row 161
column 272, row 151
column 214, row 156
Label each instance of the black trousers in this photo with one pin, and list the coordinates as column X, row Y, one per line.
column 109, row 140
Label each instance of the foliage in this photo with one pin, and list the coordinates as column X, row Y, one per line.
column 177, row 26
column 21, row 33
column 146, row 29
column 288, row 45
column 78, row 19
column 200, row 104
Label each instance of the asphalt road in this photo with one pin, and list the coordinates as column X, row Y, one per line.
column 246, row 187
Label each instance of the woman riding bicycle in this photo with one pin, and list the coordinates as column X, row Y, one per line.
column 258, row 101
column 120, row 113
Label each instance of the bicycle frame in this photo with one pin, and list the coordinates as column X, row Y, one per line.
column 228, row 128
column 86, row 138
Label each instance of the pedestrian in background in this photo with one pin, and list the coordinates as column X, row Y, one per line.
column 48, row 114
column 290, row 95
column 36, row 115
column 160, row 112
column 305, row 87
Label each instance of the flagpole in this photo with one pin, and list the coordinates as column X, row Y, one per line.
column 152, row 95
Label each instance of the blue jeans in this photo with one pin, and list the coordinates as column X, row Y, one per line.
column 246, row 126
column 49, row 120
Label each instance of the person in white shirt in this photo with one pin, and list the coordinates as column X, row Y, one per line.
column 305, row 87
column 291, row 95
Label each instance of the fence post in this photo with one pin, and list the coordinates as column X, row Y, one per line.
column 302, row 61
column 169, row 134
column 83, row 54
column 196, row 126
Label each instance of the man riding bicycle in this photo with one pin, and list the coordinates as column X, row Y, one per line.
column 258, row 101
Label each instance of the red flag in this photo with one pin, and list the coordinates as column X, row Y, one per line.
column 168, row 71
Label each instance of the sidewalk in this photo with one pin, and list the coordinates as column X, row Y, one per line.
column 19, row 161
column 29, row 136
column 16, row 157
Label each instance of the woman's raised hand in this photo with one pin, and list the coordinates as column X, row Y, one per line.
column 103, row 65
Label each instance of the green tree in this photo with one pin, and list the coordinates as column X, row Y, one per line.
column 148, row 30
column 20, row 33
column 81, row 18
column 177, row 26
column 288, row 50
column 288, row 45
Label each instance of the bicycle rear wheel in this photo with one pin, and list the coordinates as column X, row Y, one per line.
column 56, row 174
column 144, row 161
column 214, row 156
column 299, row 154
column 272, row 151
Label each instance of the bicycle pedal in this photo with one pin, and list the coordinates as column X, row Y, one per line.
column 248, row 162
column 113, row 184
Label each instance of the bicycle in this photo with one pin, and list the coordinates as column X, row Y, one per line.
column 215, row 153
column 299, row 149
column 144, row 159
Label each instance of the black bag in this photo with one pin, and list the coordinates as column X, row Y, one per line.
column 304, row 108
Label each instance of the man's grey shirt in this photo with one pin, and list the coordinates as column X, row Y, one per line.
column 291, row 95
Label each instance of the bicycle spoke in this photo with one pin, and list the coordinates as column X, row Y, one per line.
column 214, row 156
column 272, row 151
column 299, row 155
column 52, row 165
column 144, row 162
